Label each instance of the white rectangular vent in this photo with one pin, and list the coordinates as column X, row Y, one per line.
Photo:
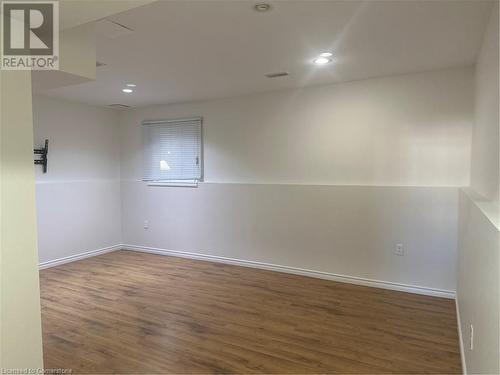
column 276, row 75
column 118, row 106
column 111, row 30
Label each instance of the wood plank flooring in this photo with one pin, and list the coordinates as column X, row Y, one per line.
column 130, row 312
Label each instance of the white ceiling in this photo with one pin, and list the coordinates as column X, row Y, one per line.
column 74, row 13
column 191, row 50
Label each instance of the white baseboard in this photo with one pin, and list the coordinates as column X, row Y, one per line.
column 461, row 339
column 74, row 258
column 261, row 265
column 298, row 271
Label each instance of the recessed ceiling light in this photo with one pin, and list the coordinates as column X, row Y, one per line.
column 262, row 7
column 131, row 85
column 326, row 54
column 128, row 91
column 322, row 61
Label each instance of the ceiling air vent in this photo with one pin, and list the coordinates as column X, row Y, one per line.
column 276, row 75
column 111, row 29
column 262, row 7
column 119, row 106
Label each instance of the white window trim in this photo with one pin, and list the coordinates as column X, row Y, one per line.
column 174, row 183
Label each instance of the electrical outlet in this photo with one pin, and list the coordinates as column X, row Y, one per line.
column 471, row 338
column 399, row 249
column 146, row 224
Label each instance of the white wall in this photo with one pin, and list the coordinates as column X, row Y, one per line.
column 78, row 200
column 411, row 130
column 349, row 231
column 478, row 288
column 485, row 140
column 275, row 165
column 266, row 154
column 20, row 325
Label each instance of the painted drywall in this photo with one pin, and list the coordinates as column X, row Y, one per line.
column 411, row 130
column 343, row 230
column 267, row 157
column 79, row 196
column 485, row 140
column 478, row 288
column 275, row 164
column 20, row 326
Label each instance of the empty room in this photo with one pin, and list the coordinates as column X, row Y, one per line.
column 277, row 187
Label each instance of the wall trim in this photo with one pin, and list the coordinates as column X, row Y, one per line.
column 317, row 184
column 460, row 338
column 80, row 256
column 298, row 271
column 270, row 267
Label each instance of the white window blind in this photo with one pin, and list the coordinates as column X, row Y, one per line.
column 172, row 150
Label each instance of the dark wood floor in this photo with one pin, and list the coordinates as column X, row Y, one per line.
column 132, row 312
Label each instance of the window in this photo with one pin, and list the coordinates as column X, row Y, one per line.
column 172, row 151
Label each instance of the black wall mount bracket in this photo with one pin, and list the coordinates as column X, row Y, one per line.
column 43, row 152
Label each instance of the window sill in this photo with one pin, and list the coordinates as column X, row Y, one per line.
column 189, row 183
